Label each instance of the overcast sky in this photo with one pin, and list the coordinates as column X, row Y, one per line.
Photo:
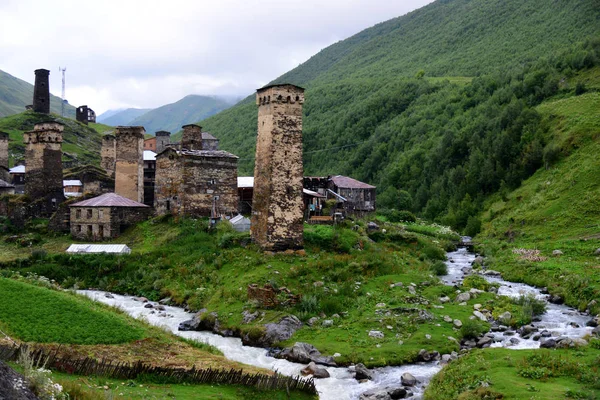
column 146, row 53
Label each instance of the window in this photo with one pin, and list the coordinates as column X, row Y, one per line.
column 168, row 205
column 212, row 182
column 89, row 230
column 101, row 231
column 78, row 215
column 89, row 213
column 79, row 228
column 100, row 213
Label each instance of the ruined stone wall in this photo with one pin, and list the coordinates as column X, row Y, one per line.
column 4, row 175
column 163, row 139
column 206, row 178
column 107, row 155
column 81, row 114
column 277, row 216
column 41, row 91
column 129, row 162
column 43, row 158
column 191, row 138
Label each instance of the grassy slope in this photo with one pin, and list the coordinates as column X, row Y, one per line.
column 81, row 143
column 15, row 94
column 520, row 374
column 557, row 208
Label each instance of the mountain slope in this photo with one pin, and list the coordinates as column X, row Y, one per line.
column 171, row 117
column 124, row 117
column 15, row 94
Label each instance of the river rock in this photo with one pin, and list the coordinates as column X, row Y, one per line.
column 362, row 372
column 505, row 317
column 372, row 226
column 398, row 393
column 457, row 323
column 478, row 261
column 193, row 324
column 593, row 322
column 376, row 334
column 248, row 317
column 491, row 272
column 14, row 386
column 412, row 290
column 596, row 331
column 314, row 370
column 388, row 393
column 304, row 353
column 148, row 305
column 484, row 342
column 557, row 253
column 166, row 301
column 327, row 323
column 109, row 296
column 480, row 315
column 447, row 318
column 548, row 344
column 462, row 297
column 477, row 306
column 444, row 299
column 556, row 299
column 514, row 340
column 312, row 321
column 407, row 379
column 276, row 332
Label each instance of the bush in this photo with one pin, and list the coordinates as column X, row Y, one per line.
column 439, row 268
column 473, row 226
column 309, row 304
column 476, row 282
column 472, row 329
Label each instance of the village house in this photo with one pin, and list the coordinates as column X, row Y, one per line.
column 17, row 178
column 72, row 188
column 105, row 216
column 355, row 197
column 150, row 144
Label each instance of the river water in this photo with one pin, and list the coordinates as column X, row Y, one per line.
column 341, row 385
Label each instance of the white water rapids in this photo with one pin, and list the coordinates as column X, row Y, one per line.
column 341, row 385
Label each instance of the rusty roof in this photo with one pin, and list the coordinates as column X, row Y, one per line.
column 108, row 200
column 349, row 183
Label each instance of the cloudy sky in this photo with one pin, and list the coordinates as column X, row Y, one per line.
column 146, row 53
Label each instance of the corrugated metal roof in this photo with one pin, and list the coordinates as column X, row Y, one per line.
column 19, row 169
column 99, row 248
column 4, row 184
column 245, row 181
column 149, row 155
column 311, row 193
column 108, row 200
column 72, row 182
column 350, row 183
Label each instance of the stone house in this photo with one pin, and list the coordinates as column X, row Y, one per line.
column 193, row 181
column 85, row 114
column 105, row 216
column 354, row 196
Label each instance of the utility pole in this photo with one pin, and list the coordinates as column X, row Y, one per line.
column 62, row 106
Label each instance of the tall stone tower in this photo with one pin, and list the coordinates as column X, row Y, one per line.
column 41, row 92
column 163, row 138
column 277, row 207
column 107, row 155
column 129, row 162
column 192, row 137
column 4, row 175
column 43, row 159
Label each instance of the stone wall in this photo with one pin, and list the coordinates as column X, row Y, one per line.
column 168, row 182
column 107, row 155
column 99, row 223
column 4, row 175
column 277, row 215
column 191, row 138
column 41, row 91
column 43, row 157
column 163, row 138
column 129, row 162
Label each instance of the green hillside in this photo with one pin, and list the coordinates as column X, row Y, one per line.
column 124, row 117
column 171, row 117
column 440, row 102
column 81, row 143
column 15, row 94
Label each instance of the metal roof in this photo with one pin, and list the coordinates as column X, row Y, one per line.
column 149, row 155
column 108, row 200
column 99, row 248
column 311, row 193
column 4, row 184
column 72, row 182
column 245, row 182
column 350, row 183
column 19, row 169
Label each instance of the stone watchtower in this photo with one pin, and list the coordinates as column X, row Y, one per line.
column 277, row 207
column 129, row 162
column 192, row 137
column 4, row 175
column 107, row 155
column 43, row 158
column 41, row 92
column 163, row 138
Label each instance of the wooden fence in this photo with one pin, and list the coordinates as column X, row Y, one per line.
column 123, row 370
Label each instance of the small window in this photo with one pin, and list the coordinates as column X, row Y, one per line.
column 100, row 213
column 168, row 205
column 212, row 182
column 79, row 228
column 78, row 215
column 297, row 98
column 89, row 212
column 89, row 230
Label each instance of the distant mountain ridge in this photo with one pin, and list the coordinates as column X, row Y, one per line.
column 122, row 117
column 16, row 93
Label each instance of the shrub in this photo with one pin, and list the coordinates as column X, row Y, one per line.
column 472, row 329
column 439, row 268
column 531, row 304
column 332, row 306
column 476, row 282
column 309, row 304
column 473, row 226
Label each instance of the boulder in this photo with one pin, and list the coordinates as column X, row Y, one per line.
column 444, row 299
column 109, row 296
column 557, row 253
column 248, row 317
column 280, row 331
column 362, row 372
column 407, row 379
column 14, row 386
column 505, row 316
column 484, row 342
column 194, row 324
column 457, row 323
column 372, row 226
column 462, row 297
column 596, row 331
column 327, row 323
column 399, row 393
column 165, row 302
column 597, row 252
column 376, row 334
column 548, row 344
column 314, row 370
column 556, row 299
column 480, row 315
column 312, row 321
column 304, row 353
column 447, row 318
column 375, row 394
column 478, row 261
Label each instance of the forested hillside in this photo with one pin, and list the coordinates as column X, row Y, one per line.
column 437, row 103
column 123, row 117
column 15, row 94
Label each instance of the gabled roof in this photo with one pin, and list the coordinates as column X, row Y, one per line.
column 19, row 169
column 349, row 183
column 208, row 136
column 149, row 155
column 108, row 200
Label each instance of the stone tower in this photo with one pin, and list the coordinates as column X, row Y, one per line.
column 4, row 175
column 192, row 137
column 43, row 158
column 277, row 207
column 107, row 155
column 129, row 162
column 41, row 92
column 163, row 138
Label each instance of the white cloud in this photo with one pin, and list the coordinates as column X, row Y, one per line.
column 125, row 53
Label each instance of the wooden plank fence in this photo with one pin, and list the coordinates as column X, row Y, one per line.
column 123, row 370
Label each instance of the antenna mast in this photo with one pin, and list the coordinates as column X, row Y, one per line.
column 62, row 106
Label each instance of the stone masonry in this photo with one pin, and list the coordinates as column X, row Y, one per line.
column 107, row 155
column 191, row 138
column 163, row 138
column 129, row 162
column 41, row 91
column 4, row 175
column 43, row 157
column 277, row 215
